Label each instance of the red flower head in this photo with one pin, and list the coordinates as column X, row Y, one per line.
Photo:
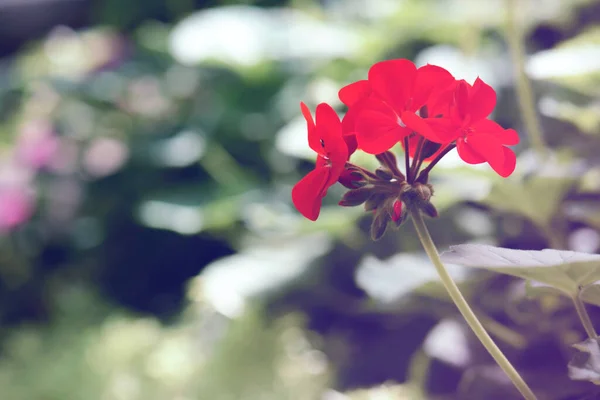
column 426, row 110
column 478, row 139
column 378, row 106
column 326, row 139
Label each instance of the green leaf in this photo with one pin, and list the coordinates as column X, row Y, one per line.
column 579, row 72
column 589, row 294
column 566, row 271
column 537, row 198
column 585, row 365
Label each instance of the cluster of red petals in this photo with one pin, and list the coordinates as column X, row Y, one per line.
column 333, row 148
column 400, row 103
column 395, row 90
column 462, row 111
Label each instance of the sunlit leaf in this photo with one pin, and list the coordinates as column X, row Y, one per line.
column 392, row 280
column 229, row 282
column 385, row 392
column 591, row 293
column 585, row 365
column 566, row 271
column 448, row 341
column 573, row 64
column 537, row 198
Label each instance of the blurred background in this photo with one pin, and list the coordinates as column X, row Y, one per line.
column 148, row 245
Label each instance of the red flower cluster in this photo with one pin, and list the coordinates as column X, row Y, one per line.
column 325, row 137
column 425, row 109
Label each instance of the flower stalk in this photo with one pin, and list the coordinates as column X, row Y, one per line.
column 463, row 306
column 584, row 317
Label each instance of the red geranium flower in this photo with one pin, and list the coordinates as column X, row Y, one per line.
column 326, row 139
column 378, row 106
column 478, row 139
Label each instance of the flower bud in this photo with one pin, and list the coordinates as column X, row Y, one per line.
column 379, row 224
column 384, row 174
column 429, row 210
column 375, row 201
column 398, row 213
column 356, row 197
column 424, row 191
column 352, row 179
column 418, row 196
column 388, row 162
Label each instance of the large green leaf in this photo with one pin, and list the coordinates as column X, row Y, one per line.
column 566, row 271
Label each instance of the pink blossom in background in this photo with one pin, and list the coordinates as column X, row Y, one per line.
column 37, row 144
column 16, row 207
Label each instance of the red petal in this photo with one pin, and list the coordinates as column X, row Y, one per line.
column 508, row 137
column 393, row 81
column 438, row 130
column 441, row 100
column 349, row 120
column 351, row 143
column 377, row 128
column 313, row 139
column 354, row 92
column 482, row 100
column 420, row 126
column 349, row 127
column 337, row 164
column 467, row 153
column 307, row 194
column 429, row 78
column 510, row 162
column 461, row 99
column 489, row 147
column 329, row 132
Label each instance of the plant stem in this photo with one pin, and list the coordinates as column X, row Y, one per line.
column 514, row 34
column 416, row 157
column 584, row 317
column 463, row 306
column 407, row 159
column 555, row 239
column 437, row 158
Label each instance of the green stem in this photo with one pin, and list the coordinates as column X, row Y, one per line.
column 464, row 308
column 222, row 167
column 514, row 35
column 584, row 317
column 555, row 239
